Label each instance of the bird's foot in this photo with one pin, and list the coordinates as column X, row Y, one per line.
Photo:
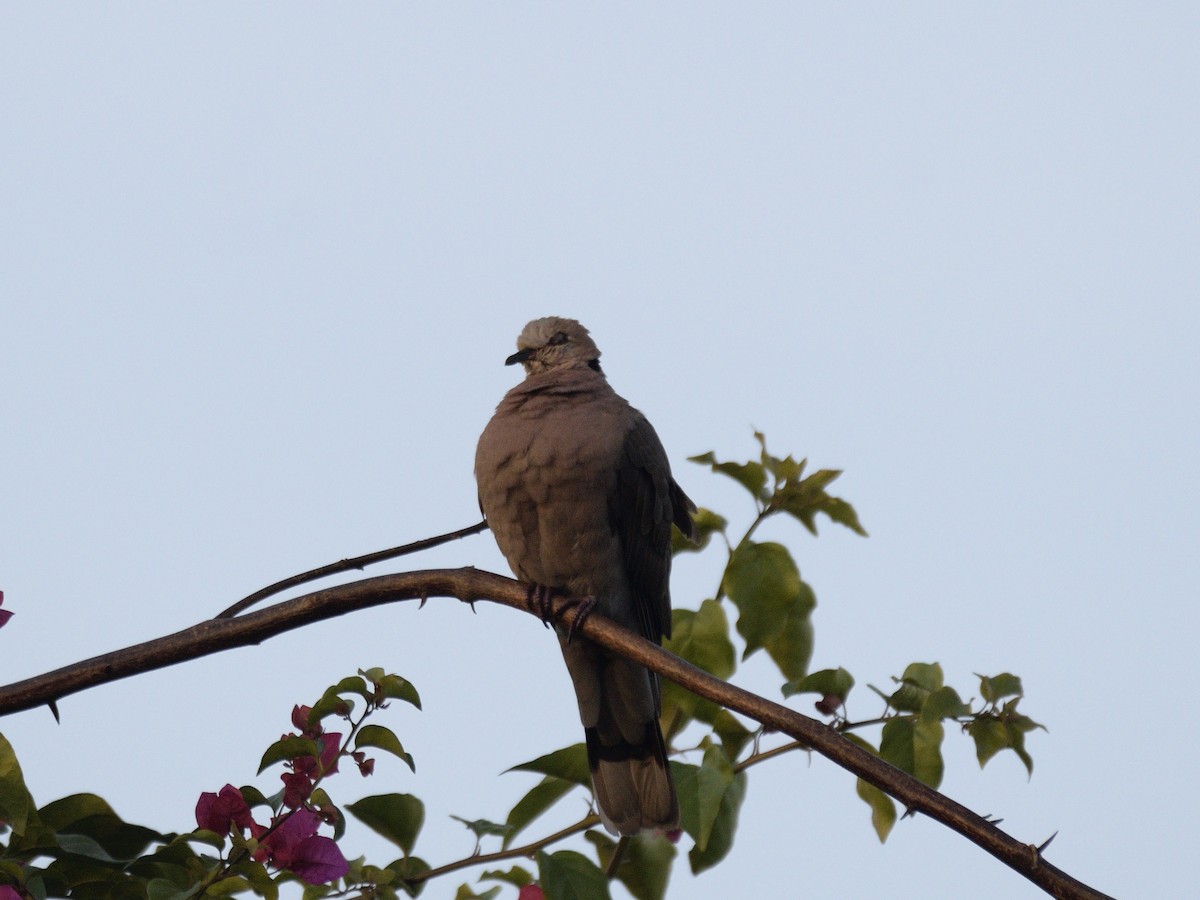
column 540, row 598
column 582, row 609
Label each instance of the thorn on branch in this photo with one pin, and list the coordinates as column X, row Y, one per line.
column 1046, row 843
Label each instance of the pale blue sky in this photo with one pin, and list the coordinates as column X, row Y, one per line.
column 260, row 265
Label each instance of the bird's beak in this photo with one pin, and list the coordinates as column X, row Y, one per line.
column 519, row 357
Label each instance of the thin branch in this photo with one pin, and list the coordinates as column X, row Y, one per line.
column 471, row 585
column 762, row 756
column 345, row 565
column 614, row 862
column 527, row 850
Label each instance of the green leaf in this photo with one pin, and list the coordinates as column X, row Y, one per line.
column 804, row 498
column 750, row 475
column 801, row 498
column 260, row 881
column 118, row 840
column 544, row 794
column 383, row 739
column 914, row 746
column 791, row 649
column 569, row 764
column 883, row 809
column 516, row 876
column 87, row 826
column 1004, row 730
column 165, row 889
column 83, row 845
column 924, row 675
column 705, row 524
column 836, row 682
column 65, row 812
column 781, row 470
column 723, row 828
column 999, row 686
column 1018, row 746
column 645, row 866
column 482, row 828
column 352, row 684
column 733, row 734
column 764, row 584
column 990, row 737
column 206, row 837
column 290, row 747
column 917, row 683
column 254, row 797
column 702, row 638
column 396, row 688
column 816, row 483
column 465, row 892
column 928, row 765
column 568, row 875
column 16, row 803
column 227, row 887
column 843, row 513
column 405, row 870
column 943, row 703
column 331, row 703
column 701, row 790
column 896, row 744
column 398, row 817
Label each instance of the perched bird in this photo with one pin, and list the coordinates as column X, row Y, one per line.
column 576, row 487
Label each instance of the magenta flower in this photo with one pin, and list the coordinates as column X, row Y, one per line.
column 300, row 721
column 295, row 845
column 365, row 766
column 331, row 746
column 298, row 783
column 296, row 789
column 7, row 891
column 224, row 811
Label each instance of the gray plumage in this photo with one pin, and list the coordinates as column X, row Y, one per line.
column 576, row 488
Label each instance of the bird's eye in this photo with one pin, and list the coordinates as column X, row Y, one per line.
column 559, row 338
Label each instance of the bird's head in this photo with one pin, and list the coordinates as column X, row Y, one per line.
column 555, row 343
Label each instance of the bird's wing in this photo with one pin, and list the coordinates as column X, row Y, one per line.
column 645, row 504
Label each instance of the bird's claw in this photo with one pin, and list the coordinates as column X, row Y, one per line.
column 582, row 609
column 540, row 599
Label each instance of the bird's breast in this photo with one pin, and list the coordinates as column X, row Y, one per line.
column 546, row 474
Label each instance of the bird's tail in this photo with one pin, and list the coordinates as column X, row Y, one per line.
column 618, row 703
column 633, row 783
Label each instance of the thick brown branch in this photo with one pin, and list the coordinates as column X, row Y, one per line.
column 470, row 585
